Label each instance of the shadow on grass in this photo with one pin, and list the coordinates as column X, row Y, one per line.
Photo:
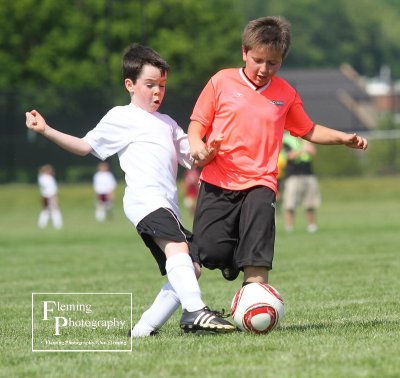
column 343, row 324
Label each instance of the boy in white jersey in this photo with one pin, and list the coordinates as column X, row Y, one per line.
column 104, row 185
column 149, row 146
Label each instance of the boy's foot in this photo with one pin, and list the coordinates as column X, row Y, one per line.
column 312, row 228
column 230, row 273
column 205, row 320
column 136, row 332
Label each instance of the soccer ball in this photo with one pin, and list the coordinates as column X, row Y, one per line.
column 257, row 307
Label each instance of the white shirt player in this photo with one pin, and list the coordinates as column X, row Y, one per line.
column 47, row 185
column 48, row 190
column 149, row 147
column 104, row 182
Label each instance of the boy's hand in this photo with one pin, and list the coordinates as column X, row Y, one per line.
column 215, row 145
column 356, row 141
column 35, row 121
column 199, row 150
column 205, row 153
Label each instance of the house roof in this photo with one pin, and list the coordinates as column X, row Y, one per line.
column 332, row 98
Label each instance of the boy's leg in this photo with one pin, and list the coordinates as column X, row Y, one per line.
column 255, row 274
column 312, row 200
column 196, row 315
column 109, row 209
column 55, row 213
column 311, row 220
column 163, row 307
column 255, row 250
column 181, row 274
column 168, row 241
column 100, row 211
column 289, row 220
column 56, row 218
column 215, row 228
column 44, row 217
column 290, row 200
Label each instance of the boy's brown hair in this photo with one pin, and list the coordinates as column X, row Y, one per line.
column 272, row 32
column 136, row 56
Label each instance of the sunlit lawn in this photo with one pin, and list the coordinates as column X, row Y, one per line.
column 340, row 287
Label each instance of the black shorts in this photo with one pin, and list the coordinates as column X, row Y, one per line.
column 234, row 227
column 164, row 224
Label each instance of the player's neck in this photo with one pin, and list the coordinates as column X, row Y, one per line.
column 252, row 82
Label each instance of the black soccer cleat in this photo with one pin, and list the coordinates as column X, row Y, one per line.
column 230, row 273
column 205, row 321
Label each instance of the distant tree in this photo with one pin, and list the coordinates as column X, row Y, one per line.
column 363, row 33
column 53, row 45
column 52, row 49
column 197, row 37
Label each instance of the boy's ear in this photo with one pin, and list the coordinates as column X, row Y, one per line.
column 129, row 85
column 244, row 52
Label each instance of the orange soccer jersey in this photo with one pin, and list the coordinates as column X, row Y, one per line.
column 252, row 121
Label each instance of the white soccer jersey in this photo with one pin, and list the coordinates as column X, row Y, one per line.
column 47, row 185
column 149, row 147
column 104, row 182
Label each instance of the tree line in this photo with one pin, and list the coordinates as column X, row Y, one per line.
column 69, row 46
column 64, row 57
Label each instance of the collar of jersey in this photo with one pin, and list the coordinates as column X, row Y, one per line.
column 251, row 84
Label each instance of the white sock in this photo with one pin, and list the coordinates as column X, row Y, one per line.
column 180, row 271
column 141, row 329
column 56, row 218
column 44, row 217
column 100, row 214
column 163, row 307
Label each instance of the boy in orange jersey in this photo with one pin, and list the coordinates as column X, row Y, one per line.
column 234, row 223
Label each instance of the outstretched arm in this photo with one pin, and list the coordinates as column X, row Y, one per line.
column 324, row 135
column 78, row 146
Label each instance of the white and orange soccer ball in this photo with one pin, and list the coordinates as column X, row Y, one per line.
column 257, row 307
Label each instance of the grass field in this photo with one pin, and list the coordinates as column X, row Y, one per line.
column 340, row 286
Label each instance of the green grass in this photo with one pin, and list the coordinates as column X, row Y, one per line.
column 340, row 286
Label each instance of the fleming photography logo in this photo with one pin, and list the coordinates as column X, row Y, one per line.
column 87, row 322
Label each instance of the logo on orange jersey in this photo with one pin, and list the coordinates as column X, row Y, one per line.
column 237, row 94
column 276, row 102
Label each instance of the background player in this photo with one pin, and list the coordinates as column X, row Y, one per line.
column 191, row 188
column 301, row 185
column 49, row 191
column 104, row 185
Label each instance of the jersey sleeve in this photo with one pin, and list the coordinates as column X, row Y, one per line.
column 105, row 139
column 182, row 147
column 298, row 123
column 204, row 109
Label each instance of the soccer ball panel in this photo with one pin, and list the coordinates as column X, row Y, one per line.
column 261, row 318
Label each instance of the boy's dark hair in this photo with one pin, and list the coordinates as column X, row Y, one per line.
column 273, row 32
column 136, row 56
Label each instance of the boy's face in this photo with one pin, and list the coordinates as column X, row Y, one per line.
column 149, row 89
column 261, row 63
